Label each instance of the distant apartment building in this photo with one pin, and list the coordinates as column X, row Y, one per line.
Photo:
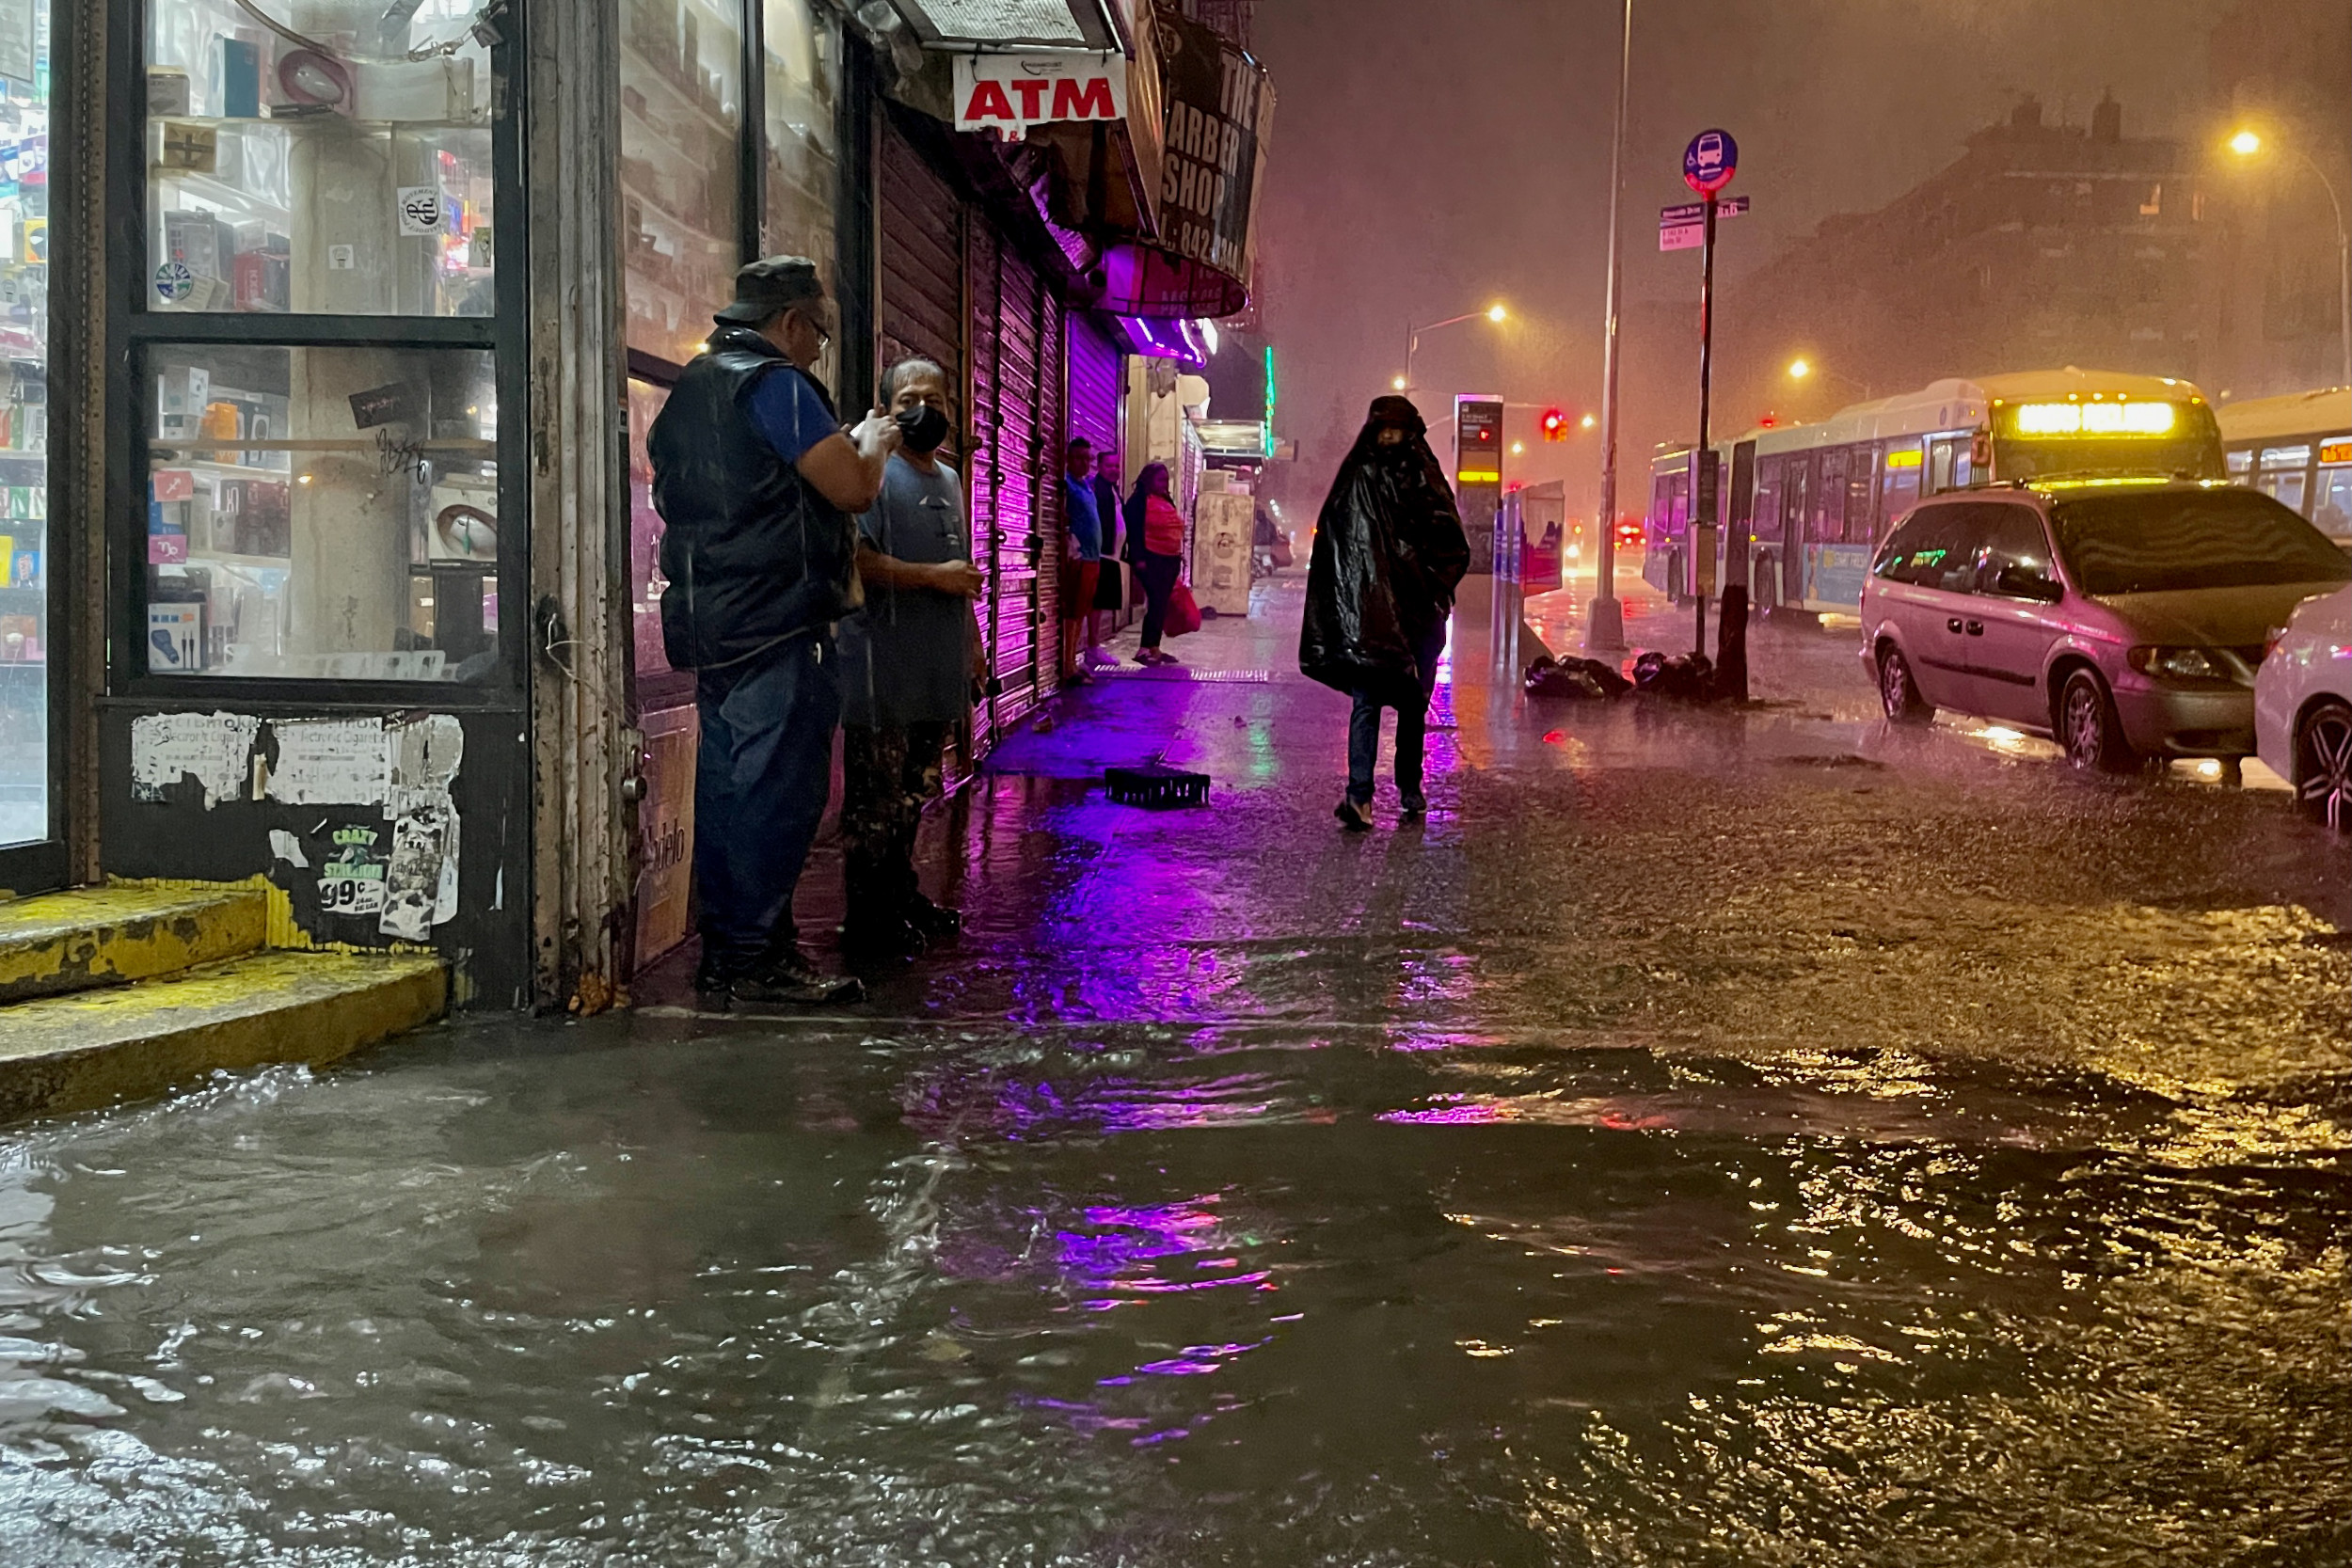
column 2044, row 244
column 2282, row 68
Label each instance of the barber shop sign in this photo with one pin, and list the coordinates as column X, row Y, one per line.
column 1012, row 92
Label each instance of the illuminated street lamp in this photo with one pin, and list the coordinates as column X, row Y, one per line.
column 1587, row 421
column 1798, row 368
column 1412, row 338
column 2249, row 144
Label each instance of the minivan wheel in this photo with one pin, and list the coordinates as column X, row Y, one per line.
column 2089, row 729
column 2322, row 766
column 1899, row 692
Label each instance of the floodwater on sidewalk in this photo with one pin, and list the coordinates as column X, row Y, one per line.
column 1703, row 1142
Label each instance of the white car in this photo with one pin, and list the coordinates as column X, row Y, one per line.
column 2303, row 707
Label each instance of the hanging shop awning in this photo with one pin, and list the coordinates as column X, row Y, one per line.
column 1088, row 24
column 1218, row 124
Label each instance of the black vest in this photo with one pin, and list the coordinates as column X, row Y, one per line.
column 754, row 554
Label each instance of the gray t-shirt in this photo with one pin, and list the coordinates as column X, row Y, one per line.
column 906, row 659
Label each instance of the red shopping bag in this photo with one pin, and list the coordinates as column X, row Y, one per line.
column 1184, row 611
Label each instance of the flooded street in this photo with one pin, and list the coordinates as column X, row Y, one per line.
column 1714, row 1138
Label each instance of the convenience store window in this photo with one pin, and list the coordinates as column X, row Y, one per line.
column 25, row 706
column 313, row 464
column 682, row 169
column 325, row 514
column 799, row 154
column 320, row 168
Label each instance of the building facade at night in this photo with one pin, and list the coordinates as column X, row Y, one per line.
column 2044, row 244
column 332, row 548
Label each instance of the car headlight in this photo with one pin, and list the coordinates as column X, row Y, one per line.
column 2182, row 664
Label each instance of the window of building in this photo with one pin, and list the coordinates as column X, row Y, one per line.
column 681, row 167
column 321, row 513
column 25, row 424
column 319, row 494
column 800, row 160
column 336, row 176
column 646, row 582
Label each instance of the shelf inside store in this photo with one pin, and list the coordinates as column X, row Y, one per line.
column 710, row 241
column 228, row 558
column 218, row 193
column 646, row 70
column 344, row 125
column 230, row 471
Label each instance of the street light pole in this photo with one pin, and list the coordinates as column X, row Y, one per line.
column 1604, row 625
column 2246, row 144
column 1412, row 337
column 2344, row 261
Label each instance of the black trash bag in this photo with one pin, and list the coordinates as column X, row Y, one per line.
column 1683, row 677
column 1389, row 553
column 1578, row 679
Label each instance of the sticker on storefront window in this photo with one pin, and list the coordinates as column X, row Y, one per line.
column 174, row 282
column 394, row 403
column 352, row 883
column 342, row 258
column 420, row 211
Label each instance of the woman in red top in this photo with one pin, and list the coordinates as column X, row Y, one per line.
column 1156, row 538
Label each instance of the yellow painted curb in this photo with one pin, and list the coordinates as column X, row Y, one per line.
column 64, row 942
column 79, row 1052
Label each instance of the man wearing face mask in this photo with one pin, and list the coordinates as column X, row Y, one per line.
column 756, row 481
column 909, row 664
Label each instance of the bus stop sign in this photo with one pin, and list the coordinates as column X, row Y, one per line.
column 1710, row 161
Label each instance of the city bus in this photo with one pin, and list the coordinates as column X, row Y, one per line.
column 1803, row 505
column 2297, row 450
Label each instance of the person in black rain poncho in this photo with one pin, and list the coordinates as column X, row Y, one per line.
column 1389, row 553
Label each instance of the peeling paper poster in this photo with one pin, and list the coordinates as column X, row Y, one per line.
column 424, row 753
column 215, row 749
column 330, row 762
column 421, row 886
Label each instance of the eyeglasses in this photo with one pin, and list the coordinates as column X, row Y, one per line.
column 824, row 333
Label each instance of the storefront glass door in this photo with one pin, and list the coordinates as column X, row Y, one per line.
column 26, row 807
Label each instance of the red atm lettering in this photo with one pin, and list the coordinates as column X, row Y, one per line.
column 1076, row 100
column 1032, row 98
column 988, row 101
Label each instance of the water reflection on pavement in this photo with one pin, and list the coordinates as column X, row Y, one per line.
column 1706, row 1140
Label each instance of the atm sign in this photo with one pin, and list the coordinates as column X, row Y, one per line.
column 1012, row 92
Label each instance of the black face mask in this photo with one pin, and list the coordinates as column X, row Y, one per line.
column 924, row 427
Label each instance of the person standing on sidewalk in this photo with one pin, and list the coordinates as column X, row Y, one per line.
column 1156, row 532
column 1109, row 592
column 757, row 482
column 909, row 663
column 1082, row 557
column 1389, row 552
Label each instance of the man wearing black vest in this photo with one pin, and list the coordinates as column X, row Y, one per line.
column 758, row 486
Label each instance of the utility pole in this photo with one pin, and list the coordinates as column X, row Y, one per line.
column 1604, row 624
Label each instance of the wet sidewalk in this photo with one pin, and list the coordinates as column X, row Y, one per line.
column 1710, row 1138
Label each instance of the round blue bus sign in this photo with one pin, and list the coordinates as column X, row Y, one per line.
column 1710, row 161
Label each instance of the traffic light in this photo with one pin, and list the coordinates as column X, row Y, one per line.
column 1555, row 425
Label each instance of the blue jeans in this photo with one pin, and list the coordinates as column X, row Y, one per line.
column 1412, row 726
column 762, row 780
